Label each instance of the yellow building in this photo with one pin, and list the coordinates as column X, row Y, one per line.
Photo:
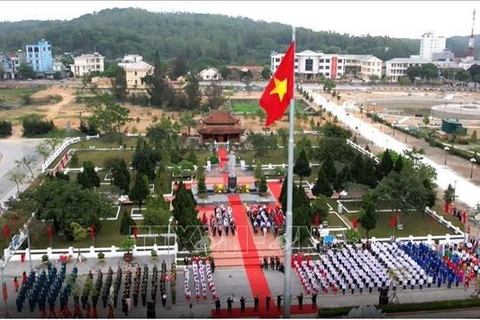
column 135, row 72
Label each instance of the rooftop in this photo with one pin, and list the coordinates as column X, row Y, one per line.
column 142, row 65
column 89, row 56
column 408, row 60
column 220, row 129
column 220, row 117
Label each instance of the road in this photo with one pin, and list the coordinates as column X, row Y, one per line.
column 467, row 192
column 11, row 150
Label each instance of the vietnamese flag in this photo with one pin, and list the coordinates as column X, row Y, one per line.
column 50, row 232
column 393, row 221
column 135, row 232
column 92, row 231
column 280, row 90
column 6, row 231
column 464, row 217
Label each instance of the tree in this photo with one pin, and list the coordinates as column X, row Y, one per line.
column 27, row 161
column 157, row 213
column 5, row 128
column 144, row 160
column 43, row 150
column 357, row 171
column 283, row 134
column 126, row 223
column 369, row 174
column 266, row 73
column 193, row 92
column 322, row 185
column 17, row 176
column 140, row 190
column 159, row 134
column 107, row 115
column 426, row 120
column 302, row 166
column 320, row 207
column 332, row 130
column 328, row 166
column 178, row 67
column 188, row 227
column 188, row 121
column 88, row 178
column 78, row 232
column 463, row 75
column 385, row 166
column 262, row 185
column 449, row 194
column 120, row 85
column 429, row 71
column 160, row 92
column 303, row 212
column 163, row 181
column 121, row 175
column 215, row 97
column 64, row 202
column 368, row 216
column 2, row 74
column 127, row 244
column 473, row 138
column 54, row 141
column 25, row 71
column 398, row 166
column 414, row 72
column 202, row 187
column 259, row 143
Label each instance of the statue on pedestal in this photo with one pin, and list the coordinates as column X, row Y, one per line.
column 232, row 161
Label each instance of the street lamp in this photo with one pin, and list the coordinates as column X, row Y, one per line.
column 406, row 134
column 446, row 153
column 393, row 129
column 472, row 160
column 168, row 261
column 455, row 191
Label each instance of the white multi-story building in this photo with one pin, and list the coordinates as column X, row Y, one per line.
column 363, row 66
column 87, row 63
column 131, row 58
column 310, row 64
column 430, row 44
column 397, row 67
column 135, row 73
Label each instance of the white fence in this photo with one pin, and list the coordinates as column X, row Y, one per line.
column 92, row 252
column 62, row 148
column 363, row 151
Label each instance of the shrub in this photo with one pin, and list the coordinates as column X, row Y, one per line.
column 101, row 255
column 153, row 253
column 213, row 159
column 32, row 126
column 5, row 128
column 44, row 258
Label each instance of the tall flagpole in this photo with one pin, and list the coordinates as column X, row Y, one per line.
column 289, row 215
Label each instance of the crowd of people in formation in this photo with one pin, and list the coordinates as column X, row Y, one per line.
column 372, row 266
column 221, row 221
column 202, row 270
column 265, row 219
column 50, row 285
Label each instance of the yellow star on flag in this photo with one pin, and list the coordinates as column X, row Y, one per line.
column 280, row 88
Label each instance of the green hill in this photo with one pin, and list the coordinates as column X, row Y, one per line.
column 200, row 38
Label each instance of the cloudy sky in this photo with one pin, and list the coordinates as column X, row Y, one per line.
column 391, row 18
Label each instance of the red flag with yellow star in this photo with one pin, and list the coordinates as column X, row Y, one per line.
column 280, row 90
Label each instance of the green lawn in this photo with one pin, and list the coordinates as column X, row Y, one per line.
column 14, row 96
column 105, row 142
column 98, row 157
column 414, row 223
column 357, row 205
column 252, row 106
column 334, row 221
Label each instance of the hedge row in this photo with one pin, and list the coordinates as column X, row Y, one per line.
column 455, row 151
column 406, row 307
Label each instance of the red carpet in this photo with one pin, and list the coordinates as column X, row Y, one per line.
column 251, row 259
column 275, row 189
column 262, row 312
column 222, row 157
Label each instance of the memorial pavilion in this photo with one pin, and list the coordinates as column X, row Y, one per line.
column 220, row 126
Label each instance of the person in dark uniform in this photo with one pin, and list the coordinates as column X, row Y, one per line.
column 300, row 301
column 314, row 300
column 267, row 302
column 229, row 304
column 217, row 305
column 212, row 265
column 242, row 304
column 256, row 301
column 272, row 263
column 279, row 302
column 265, row 262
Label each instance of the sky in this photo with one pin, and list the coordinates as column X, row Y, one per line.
column 398, row 19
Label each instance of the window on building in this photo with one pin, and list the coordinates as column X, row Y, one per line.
column 135, row 82
column 309, row 65
column 296, row 59
column 339, row 67
column 320, row 67
column 321, row 60
column 327, row 74
column 327, row 60
column 277, row 59
column 327, row 67
column 135, row 73
column 339, row 60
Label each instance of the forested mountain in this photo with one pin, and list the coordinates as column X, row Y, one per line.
column 198, row 38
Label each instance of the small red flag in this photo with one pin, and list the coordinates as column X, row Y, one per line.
column 355, row 222
column 464, row 217
column 6, row 231
column 393, row 221
column 92, row 231
column 135, row 232
column 50, row 232
column 280, row 90
column 5, row 290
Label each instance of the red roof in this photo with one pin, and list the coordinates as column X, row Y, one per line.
column 219, row 117
column 220, row 130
